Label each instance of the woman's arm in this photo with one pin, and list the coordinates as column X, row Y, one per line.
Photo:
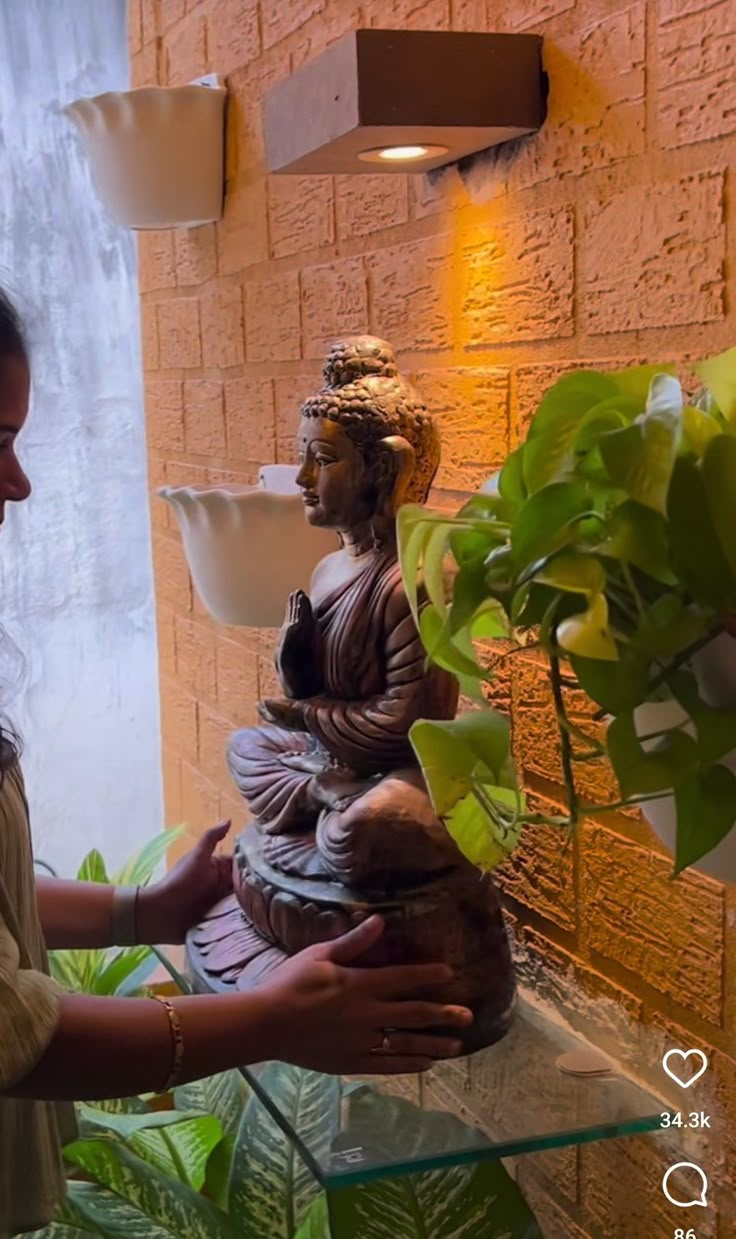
column 318, row 1011
column 81, row 914
column 75, row 914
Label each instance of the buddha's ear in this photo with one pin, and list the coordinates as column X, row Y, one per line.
column 400, row 461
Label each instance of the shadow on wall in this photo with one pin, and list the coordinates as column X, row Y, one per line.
column 75, row 562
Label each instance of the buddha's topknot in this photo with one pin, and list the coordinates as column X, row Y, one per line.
column 365, row 393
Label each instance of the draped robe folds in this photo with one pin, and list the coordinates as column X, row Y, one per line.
column 375, row 683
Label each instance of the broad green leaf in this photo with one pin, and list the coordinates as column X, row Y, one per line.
column 615, row 687
column 543, row 523
column 179, row 1144
column 165, row 1206
column 719, row 375
column 412, row 528
column 640, row 458
column 697, row 554
column 489, row 622
column 433, row 559
column 92, row 868
column 573, row 572
column 469, row 593
column 122, row 966
column 316, row 1223
column 549, row 454
column 639, row 772
column 142, row 867
column 223, row 1095
column 636, row 381
column 182, row 1150
column 587, row 634
column 667, row 627
column 476, row 1202
column 698, row 429
column 68, row 1223
column 511, row 485
column 135, row 982
column 719, row 475
column 478, row 837
column 611, row 414
column 271, row 1186
column 706, row 813
column 715, row 728
column 449, row 752
column 638, row 536
column 447, row 763
column 453, row 652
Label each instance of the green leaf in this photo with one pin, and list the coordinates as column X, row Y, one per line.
column 476, row 1202
column 92, row 869
column 698, row 429
column 543, row 523
column 178, row 1144
column 453, row 652
column 719, row 475
column 719, row 375
column 480, row 839
column 433, row 559
column 640, row 458
column 667, row 627
column 139, row 1194
column 224, row 1095
column 142, row 867
column 706, row 813
column 316, row 1223
column 615, row 687
column 587, row 634
column 122, row 966
column 451, row 752
column 670, row 761
column 549, row 450
column 697, row 554
column 636, row 381
column 573, row 572
column 638, row 536
column 271, row 1186
column 511, row 485
column 411, row 530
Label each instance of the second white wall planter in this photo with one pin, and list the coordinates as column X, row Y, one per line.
column 157, row 153
column 249, row 547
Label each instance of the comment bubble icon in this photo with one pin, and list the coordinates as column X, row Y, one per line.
column 691, row 1187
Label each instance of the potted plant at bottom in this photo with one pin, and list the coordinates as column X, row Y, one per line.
column 607, row 542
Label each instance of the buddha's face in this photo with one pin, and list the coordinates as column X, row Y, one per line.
column 339, row 490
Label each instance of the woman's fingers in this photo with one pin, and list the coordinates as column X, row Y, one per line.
column 405, row 980
column 417, row 1045
column 424, row 1015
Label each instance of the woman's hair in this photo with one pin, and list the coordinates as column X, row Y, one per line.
column 12, row 344
column 365, row 393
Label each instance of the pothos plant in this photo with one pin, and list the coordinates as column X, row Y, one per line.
column 608, row 543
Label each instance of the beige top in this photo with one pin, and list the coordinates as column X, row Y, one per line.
column 31, row 1132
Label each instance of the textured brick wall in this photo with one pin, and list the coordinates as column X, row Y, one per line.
column 604, row 240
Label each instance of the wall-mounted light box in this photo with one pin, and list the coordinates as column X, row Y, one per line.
column 398, row 99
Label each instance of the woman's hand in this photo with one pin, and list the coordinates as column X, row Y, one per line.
column 326, row 1015
column 170, row 908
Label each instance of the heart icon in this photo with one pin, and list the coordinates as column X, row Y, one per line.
column 684, row 1055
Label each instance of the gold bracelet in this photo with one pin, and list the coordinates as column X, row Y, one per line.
column 177, row 1043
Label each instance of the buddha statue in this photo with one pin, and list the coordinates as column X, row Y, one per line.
column 343, row 824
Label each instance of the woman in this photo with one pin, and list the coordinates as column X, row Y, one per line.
column 319, row 1011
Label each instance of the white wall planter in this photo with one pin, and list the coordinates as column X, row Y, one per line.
column 157, row 153
column 715, row 669
column 249, row 547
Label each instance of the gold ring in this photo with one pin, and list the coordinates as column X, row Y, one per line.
column 384, row 1047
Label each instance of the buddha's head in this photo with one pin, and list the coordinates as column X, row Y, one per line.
column 366, row 441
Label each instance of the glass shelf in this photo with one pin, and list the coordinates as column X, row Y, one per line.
column 508, row 1099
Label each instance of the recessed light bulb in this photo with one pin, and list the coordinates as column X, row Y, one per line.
column 401, row 154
